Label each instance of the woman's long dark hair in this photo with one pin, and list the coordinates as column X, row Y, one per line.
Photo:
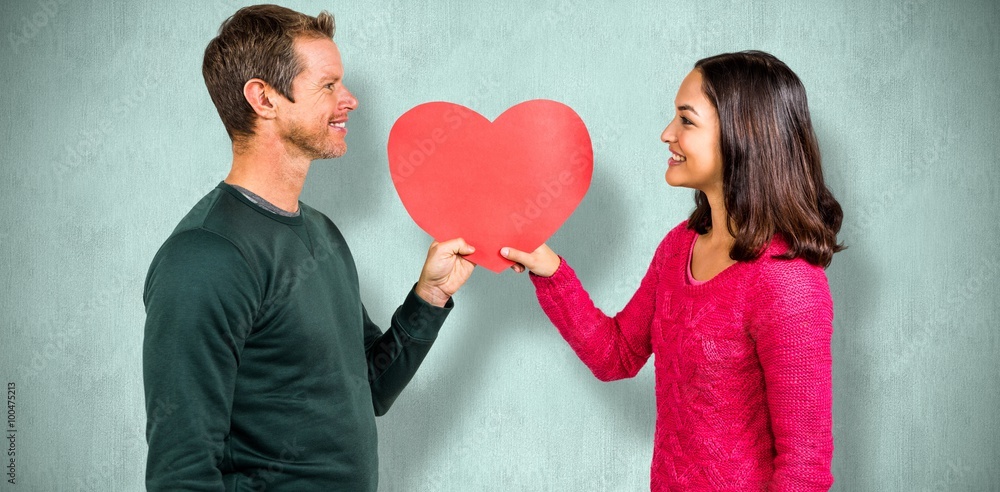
column 772, row 180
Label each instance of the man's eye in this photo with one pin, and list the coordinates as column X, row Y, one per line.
column 329, row 86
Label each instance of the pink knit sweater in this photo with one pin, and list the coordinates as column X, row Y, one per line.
column 743, row 389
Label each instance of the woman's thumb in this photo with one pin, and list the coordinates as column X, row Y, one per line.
column 516, row 256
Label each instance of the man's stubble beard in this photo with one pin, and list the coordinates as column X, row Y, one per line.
column 316, row 145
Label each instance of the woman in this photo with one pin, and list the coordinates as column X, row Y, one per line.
column 735, row 304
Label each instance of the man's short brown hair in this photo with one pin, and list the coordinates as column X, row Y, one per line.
column 256, row 42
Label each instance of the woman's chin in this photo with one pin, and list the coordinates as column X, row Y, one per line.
column 673, row 180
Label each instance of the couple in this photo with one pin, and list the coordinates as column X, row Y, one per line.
column 263, row 371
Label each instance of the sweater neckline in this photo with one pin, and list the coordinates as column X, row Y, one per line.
column 293, row 220
column 704, row 284
column 776, row 246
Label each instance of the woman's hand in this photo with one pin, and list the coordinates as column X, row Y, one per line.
column 542, row 262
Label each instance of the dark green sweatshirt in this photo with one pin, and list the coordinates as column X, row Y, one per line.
column 262, row 370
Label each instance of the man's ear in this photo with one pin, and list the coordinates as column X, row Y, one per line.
column 260, row 95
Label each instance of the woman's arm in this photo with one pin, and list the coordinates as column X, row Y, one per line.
column 792, row 324
column 612, row 347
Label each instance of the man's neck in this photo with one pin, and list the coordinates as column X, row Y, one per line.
column 271, row 173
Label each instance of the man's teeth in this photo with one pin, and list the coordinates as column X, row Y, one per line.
column 678, row 158
column 342, row 124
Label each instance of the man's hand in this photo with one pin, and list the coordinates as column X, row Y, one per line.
column 444, row 271
column 542, row 262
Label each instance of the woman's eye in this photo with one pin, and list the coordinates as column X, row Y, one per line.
column 685, row 121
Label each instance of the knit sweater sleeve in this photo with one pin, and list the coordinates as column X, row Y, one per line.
column 792, row 324
column 612, row 347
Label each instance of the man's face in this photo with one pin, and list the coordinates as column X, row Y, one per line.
column 316, row 123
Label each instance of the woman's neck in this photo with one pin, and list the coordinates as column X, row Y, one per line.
column 719, row 234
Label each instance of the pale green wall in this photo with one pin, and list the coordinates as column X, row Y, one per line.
column 109, row 137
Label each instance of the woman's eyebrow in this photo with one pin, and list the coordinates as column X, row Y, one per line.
column 685, row 107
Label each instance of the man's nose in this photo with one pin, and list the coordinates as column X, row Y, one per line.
column 348, row 101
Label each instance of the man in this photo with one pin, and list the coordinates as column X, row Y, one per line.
column 262, row 370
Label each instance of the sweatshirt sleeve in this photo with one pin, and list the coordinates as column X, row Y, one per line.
column 201, row 297
column 612, row 347
column 792, row 326
column 394, row 356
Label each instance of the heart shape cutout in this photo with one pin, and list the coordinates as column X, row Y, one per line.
column 510, row 182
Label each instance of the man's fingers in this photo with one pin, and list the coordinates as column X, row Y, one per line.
column 466, row 249
column 458, row 246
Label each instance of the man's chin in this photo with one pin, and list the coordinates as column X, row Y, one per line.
column 332, row 153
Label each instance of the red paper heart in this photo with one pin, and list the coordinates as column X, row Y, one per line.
column 511, row 182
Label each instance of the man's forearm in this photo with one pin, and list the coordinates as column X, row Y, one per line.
column 394, row 356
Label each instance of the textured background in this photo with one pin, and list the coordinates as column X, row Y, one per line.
column 109, row 137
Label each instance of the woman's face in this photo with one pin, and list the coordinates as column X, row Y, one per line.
column 693, row 137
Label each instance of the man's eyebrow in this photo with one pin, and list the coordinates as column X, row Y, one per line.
column 685, row 107
column 331, row 77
